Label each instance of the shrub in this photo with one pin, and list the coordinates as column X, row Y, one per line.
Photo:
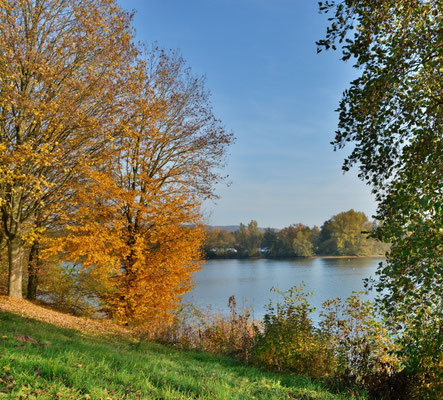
column 364, row 351
column 67, row 288
column 422, row 354
column 350, row 347
column 289, row 341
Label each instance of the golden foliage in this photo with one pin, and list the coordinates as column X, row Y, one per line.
column 137, row 243
column 106, row 152
column 136, row 219
column 62, row 63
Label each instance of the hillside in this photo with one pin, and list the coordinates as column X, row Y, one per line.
column 41, row 360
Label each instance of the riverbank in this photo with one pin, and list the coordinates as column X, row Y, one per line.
column 45, row 360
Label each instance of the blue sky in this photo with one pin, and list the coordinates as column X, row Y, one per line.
column 278, row 97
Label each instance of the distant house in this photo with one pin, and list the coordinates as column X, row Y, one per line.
column 222, row 250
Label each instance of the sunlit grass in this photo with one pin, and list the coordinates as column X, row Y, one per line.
column 41, row 361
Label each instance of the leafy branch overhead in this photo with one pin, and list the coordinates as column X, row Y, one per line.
column 392, row 115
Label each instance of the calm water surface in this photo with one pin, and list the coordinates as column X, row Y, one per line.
column 251, row 280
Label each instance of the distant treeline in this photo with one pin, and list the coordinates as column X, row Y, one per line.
column 345, row 234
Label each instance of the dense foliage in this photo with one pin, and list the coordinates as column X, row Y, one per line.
column 392, row 115
column 349, row 344
column 107, row 150
column 345, row 234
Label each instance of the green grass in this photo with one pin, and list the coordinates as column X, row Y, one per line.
column 56, row 363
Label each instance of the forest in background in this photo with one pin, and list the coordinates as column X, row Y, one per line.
column 344, row 234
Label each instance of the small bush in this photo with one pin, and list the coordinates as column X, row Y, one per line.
column 422, row 355
column 289, row 341
column 364, row 351
column 349, row 348
column 67, row 288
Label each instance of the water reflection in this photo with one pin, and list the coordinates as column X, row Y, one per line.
column 252, row 280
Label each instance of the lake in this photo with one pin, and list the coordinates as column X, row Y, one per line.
column 251, row 280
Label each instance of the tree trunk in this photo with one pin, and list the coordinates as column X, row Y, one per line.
column 33, row 269
column 15, row 278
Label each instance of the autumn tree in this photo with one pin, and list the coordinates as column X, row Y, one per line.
column 219, row 242
column 346, row 234
column 62, row 66
column 286, row 239
column 392, row 115
column 303, row 243
column 296, row 240
column 248, row 239
column 138, row 221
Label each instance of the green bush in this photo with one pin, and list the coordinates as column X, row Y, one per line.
column 364, row 351
column 288, row 339
column 67, row 288
column 350, row 347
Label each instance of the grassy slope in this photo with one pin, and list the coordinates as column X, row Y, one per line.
column 43, row 361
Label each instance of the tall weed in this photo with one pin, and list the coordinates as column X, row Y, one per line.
column 232, row 335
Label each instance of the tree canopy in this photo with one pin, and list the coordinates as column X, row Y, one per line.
column 344, row 234
column 107, row 150
column 392, row 115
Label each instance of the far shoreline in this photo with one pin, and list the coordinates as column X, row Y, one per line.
column 294, row 257
column 370, row 256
